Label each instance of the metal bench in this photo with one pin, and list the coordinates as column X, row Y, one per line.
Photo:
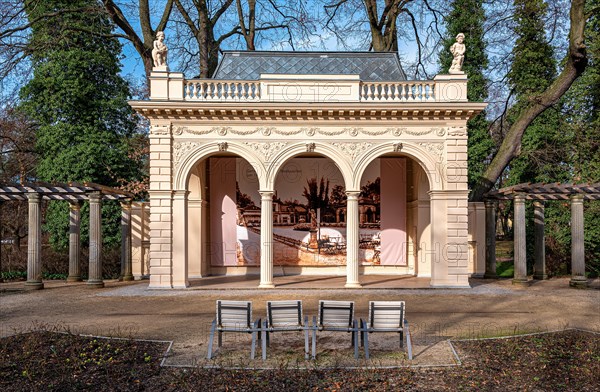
column 386, row 316
column 286, row 316
column 234, row 316
column 338, row 316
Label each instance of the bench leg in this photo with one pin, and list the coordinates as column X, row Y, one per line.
column 401, row 339
column 365, row 338
column 265, row 335
column 408, row 340
column 306, row 327
column 355, row 338
column 314, row 338
column 220, row 338
column 210, row 340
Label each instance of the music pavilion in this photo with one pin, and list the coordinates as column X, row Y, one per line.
column 310, row 163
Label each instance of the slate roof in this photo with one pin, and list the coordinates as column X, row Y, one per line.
column 371, row 66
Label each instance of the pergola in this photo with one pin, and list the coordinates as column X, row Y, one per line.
column 539, row 193
column 75, row 194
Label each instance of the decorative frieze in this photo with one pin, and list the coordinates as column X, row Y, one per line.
column 160, row 129
column 457, row 131
column 312, row 131
column 434, row 148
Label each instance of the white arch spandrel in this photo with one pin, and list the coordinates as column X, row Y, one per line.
column 211, row 148
column 432, row 168
column 297, row 149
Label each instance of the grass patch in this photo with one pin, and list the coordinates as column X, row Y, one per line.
column 505, row 269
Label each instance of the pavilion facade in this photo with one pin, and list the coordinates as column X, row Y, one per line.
column 234, row 161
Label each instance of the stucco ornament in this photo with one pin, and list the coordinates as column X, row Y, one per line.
column 458, row 51
column 266, row 149
column 181, row 149
column 160, row 50
column 353, row 150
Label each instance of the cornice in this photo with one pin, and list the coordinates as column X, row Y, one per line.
column 283, row 111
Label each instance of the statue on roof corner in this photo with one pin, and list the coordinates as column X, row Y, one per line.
column 458, row 51
column 159, row 52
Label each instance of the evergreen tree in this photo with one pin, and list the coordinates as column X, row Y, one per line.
column 467, row 17
column 533, row 69
column 79, row 103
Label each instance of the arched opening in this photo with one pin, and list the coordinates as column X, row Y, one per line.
column 223, row 217
column 309, row 210
column 394, row 223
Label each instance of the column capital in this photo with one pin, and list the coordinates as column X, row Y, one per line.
column 75, row 205
column 538, row 204
column 266, row 195
column 352, row 194
column 95, row 197
column 577, row 198
column 180, row 194
column 519, row 197
column 125, row 204
column 34, row 197
column 490, row 203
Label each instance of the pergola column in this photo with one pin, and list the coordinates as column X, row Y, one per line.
column 34, row 243
column 266, row 240
column 578, row 278
column 539, row 267
column 490, row 240
column 352, row 240
column 520, row 246
column 95, row 262
column 126, row 274
column 74, row 242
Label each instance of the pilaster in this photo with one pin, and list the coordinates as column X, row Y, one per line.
column 180, row 240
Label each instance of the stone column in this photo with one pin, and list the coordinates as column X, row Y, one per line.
column 74, row 242
column 578, row 278
column 520, row 252
column 266, row 240
column 34, row 243
column 126, row 274
column 490, row 240
column 95, row 263
column 352, row 240
column 539, row 267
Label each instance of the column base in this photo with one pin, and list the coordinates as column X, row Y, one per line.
column 95, row 284
column 477, row 276
column 127, row 278
column 353, row 285
column 266, row 286
column 540, row 277
column 34, row 285
column 490, row 276
column 74, row 279
column 578, row 282
column 520, row 282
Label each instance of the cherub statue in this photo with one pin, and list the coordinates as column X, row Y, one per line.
column 159, row 53
column 458, row 51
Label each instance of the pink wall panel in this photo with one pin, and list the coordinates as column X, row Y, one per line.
column 393, row 211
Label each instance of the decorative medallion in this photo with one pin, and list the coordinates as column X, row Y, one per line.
column 221, row 131
column 266, row 149
column 396, row 131
column 353, row 131
column 353, row 150
column 439, row 131
column 310, row 131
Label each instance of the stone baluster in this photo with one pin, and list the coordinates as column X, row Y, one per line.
column 578, row 278
column 34, row 243
column 95, row 252
column 266, row 240
column 74, row 242
column 352, row 240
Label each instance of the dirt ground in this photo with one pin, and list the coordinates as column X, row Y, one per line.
column 490, row 308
